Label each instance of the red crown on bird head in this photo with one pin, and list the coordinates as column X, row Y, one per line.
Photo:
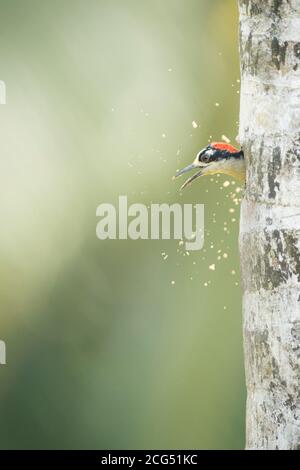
column 223, row 146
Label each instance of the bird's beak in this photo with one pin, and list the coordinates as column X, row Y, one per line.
column 185, row 170
column 193, row 166
column 191, row 179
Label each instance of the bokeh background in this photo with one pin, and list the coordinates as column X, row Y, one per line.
column 117, row 344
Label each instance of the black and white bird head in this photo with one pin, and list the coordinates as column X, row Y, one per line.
column 217, row 157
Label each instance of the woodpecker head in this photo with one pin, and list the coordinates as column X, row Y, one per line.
column 217, row 157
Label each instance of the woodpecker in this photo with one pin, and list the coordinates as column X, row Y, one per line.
column 217, row 157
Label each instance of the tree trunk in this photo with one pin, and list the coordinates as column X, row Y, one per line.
column 270, row 220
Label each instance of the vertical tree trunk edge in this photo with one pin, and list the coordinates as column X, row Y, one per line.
column 270, row 220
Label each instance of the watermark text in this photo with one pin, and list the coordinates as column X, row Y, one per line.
column 2, row 353
column 2, row 92
column 158, row 221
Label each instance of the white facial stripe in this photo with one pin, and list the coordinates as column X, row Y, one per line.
column 209, row 153
column 198, row 154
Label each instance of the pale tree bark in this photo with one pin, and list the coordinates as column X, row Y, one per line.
column 270, row 220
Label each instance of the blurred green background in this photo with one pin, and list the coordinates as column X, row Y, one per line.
column 113, row 344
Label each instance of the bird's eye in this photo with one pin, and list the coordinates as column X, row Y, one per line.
column 205, row 158
column 205, row 155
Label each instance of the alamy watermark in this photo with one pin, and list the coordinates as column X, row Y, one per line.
column 2, row 353
column 154, row 222
column 2, row 92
